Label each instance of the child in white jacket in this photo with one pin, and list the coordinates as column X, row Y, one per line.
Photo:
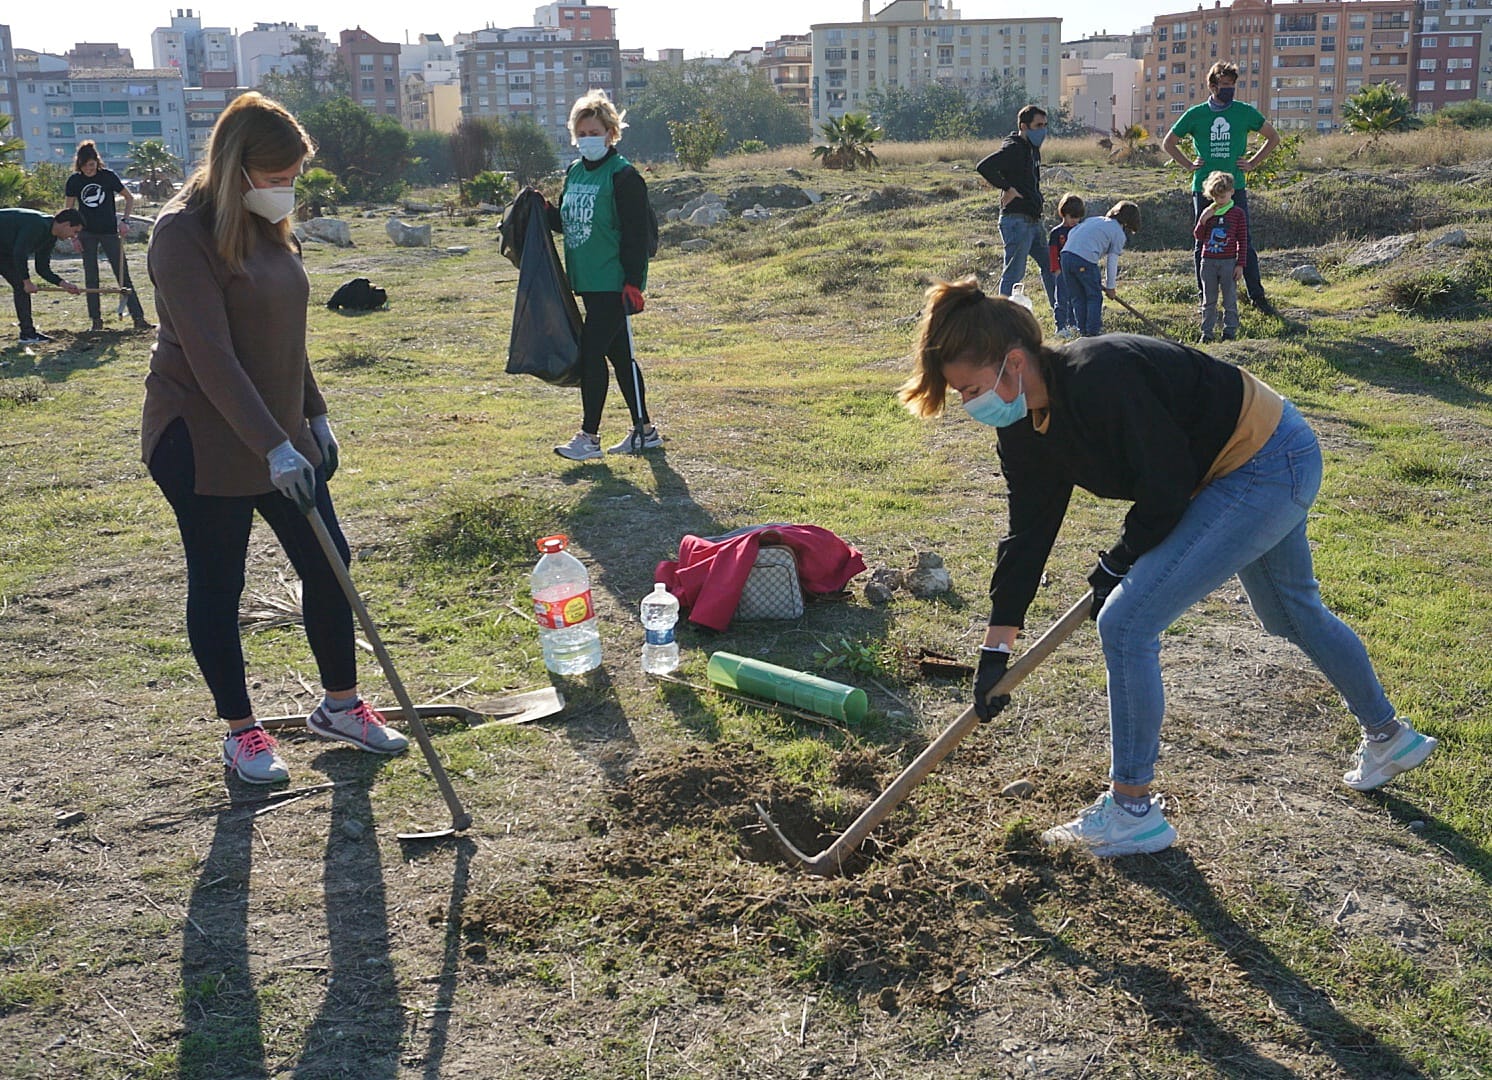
column 1094, row 242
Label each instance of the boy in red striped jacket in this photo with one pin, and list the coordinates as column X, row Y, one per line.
column 1224, row 232
column 1072, row 210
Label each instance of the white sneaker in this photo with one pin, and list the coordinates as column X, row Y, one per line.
column 581, row 448
column 649, row 439
column 361, row 725
column 1376, row 763
column 251, row 754
column 1107, row 829
column 1067, row 333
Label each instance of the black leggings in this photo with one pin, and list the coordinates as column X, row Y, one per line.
column 606, row 336
column 114, row 252
column 215, row 534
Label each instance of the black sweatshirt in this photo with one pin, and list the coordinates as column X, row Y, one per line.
column 1131, row 418
column 27, row 235
column 1017, row 164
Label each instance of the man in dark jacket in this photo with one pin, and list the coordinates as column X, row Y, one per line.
column 1014, row 171
column 26, row 235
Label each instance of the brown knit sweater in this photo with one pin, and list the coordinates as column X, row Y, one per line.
column 230, row 356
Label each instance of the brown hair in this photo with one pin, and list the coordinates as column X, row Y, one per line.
column 1220, row 70
column 597, row 104
column 1217, row 182
column 87, row 151
column 959, row 322
column 1127, row 214
column 1029, row 114
column 254, row 132
column 1072, row 205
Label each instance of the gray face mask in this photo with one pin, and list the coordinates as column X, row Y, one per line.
column 273, row 204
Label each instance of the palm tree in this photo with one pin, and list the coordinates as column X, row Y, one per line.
column 1133, row 142
column 317, row 191
column 11, row 148
column 847, row 141
column 1377, row 110
column 12, row 176
column 155, row 167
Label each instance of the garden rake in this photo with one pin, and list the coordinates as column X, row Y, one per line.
column 831, row 861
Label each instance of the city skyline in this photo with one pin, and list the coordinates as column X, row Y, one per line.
column 647, row 24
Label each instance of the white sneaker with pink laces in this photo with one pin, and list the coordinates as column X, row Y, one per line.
column 360, row 724
column 251, row 754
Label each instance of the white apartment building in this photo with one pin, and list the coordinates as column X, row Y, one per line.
column 1103, row 93
column 201, row 54
column 268, row 47
column 912, row 42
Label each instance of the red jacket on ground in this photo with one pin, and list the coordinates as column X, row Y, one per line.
column 708, row 575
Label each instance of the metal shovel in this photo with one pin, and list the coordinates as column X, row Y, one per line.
column 460, row 819
column 831, row 861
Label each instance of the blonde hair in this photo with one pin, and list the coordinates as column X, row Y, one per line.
column 959, row 322
column 596, row 104
column 254, row 132
column 1217, row 182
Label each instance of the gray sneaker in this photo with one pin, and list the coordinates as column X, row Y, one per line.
column 650, row 438
column 581, row 448
column 251, row 754
column 1376, row 763
column 362, row 726
column 1107, row 829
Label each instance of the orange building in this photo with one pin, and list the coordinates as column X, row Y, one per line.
column 1297, row 61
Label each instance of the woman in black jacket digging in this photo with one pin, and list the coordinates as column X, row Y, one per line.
column 1221, row 472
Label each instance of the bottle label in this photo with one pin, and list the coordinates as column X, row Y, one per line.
column 558, row 614
column 660, row 637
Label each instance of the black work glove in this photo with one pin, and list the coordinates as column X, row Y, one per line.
column 992, row 665
column 1105, row 579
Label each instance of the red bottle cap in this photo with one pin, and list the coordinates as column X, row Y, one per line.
column 551, row 544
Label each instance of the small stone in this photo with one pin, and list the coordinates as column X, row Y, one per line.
column 353, row 829
column 457, row 249
column 1307, row 274
column 697, row 244
column 878, row 593
column 887, row 999
column 68, row 817
column 1018, row 789
column 928, row 583
column 928, row 560
column 1416, row 826
column 1456, row 238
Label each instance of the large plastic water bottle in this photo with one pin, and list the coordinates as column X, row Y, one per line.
column 660, row 611
column 561, row 590
column 1018, row 295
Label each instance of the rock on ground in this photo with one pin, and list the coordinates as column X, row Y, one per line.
column 407, row 235
column 328, row 230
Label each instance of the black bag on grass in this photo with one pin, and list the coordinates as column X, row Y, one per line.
column 359, row 294
column 545, row 341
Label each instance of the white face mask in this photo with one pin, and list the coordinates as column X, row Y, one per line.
column 273, row 204
column 591, row 147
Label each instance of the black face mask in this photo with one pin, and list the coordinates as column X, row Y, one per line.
column 1224, row 94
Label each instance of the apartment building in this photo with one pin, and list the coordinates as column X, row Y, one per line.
column 98, row 55
column 787, row 62
column 586, row 22
column 1298, row 62
column 204, row 104
column 534, row 72
column 1102, row 44
column 38, row 77
column 1103, row 92
column 915, row 42
column 430, row 106
column 204, row 55
column 10, row 99
column 115, row 107
column 1443, row 33
column 271, row 46
column 373, row 71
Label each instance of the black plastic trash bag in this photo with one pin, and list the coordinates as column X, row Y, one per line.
column 546, row 320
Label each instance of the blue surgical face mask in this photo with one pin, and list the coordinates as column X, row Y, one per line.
column 591, row 147
column 1036, row 135
column 993, row 411
column 1224, row 94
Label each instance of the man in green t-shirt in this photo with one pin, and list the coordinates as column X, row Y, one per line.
column 1220, row 129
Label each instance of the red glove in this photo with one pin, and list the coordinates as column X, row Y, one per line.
column 632, row 301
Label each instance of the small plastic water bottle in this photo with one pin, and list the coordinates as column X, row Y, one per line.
column 1018, row 295
column 561, row 590
column 660, row 611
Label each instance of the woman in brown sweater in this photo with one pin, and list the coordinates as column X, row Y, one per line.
column 234, row 421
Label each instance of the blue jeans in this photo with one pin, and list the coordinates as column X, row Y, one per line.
column 1251, row 279
column 1024, row 239
column 1084, row 282
column 1252, row 523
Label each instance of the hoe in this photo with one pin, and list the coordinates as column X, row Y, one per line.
column 831, row 861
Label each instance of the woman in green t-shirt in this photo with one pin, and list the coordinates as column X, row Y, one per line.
column 604, row 216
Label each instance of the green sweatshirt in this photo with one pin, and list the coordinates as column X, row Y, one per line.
column 27, row 234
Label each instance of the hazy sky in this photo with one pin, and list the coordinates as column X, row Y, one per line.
column 710, row 28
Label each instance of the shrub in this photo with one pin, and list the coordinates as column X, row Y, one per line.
column 488, row 186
